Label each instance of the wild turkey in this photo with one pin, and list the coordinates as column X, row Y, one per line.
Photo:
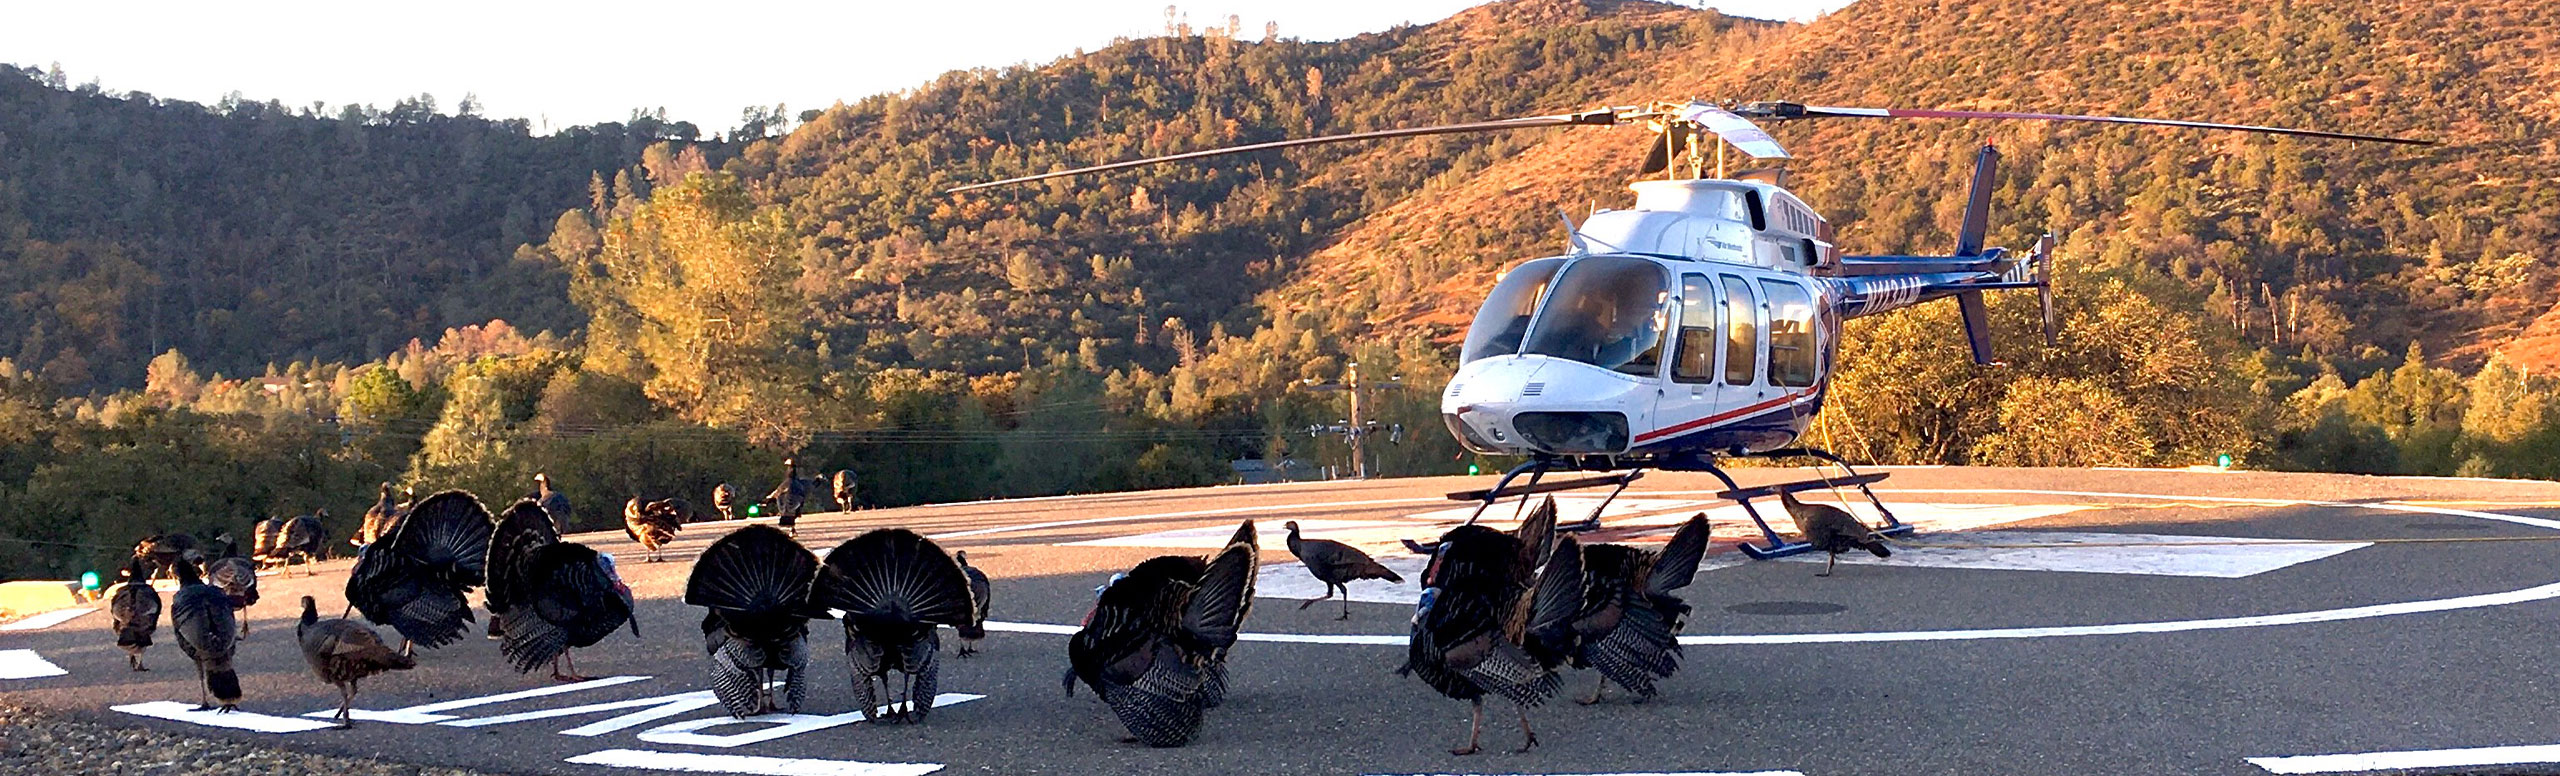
column 842, row 487
column 238, row 578
column 576, row 601
column 755, row 582
column 166, row 551
column 1629, row 626
column 415, row 579
column 265, row 538
column 552, row 502
column 789, row 496
column 133, row 609
column 200, row 615
column 378, row 518
column 1156, row 637
column 1491, row 620
column 1336, row 565
column 520, row 531
column 894, row 587
column 343, row 652
column 1832, row 530
column 654, row 523
column 1213, row 682
column 980, row 591
column 301, row 538
column 724, row 499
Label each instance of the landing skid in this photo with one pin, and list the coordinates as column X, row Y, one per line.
column 1773, row 545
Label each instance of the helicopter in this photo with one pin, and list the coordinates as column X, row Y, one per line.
column 1702, row 323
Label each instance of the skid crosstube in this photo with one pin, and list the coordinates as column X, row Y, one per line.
column 1777, row 546
column 1773, row 545
column 1536, row 469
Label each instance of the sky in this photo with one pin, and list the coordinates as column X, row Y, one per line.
column 566, row 63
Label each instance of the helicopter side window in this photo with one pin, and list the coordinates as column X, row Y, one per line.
column 1606, row 311
column 1504, row 318
column 1696, row 362
column 1793, row 360
column 1741, row 334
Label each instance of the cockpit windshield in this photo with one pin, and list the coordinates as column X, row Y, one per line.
column 1606, row 311
column 1504, row 318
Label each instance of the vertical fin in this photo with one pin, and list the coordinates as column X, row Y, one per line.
column 1977, row 206
column 1977, row 326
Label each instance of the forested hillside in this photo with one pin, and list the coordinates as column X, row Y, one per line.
column 247, row 233
column 711, row 308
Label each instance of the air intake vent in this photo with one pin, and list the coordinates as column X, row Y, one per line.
column 1533, row 389
column 1454, row 388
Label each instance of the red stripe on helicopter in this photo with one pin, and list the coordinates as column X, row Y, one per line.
column 1723, row 416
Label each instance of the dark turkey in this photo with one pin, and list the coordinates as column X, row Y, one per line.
column 343, row 652
column 755, row 582
column 1832, row 531
column 894, row 587
column 238, row 578
column 133, row 609
column 552, row 502
column 1494, row 621
column 416, row 578
column 790, row 496
column 842, row 487
column 378, row 518
column 653, row 523
column 200, row 615
column 1629, row 627
column 1154, row 645
column 166, row 551
column 980, row 593
column 1336, row 565
column 301, row 538
column 519, row 532
column 576, row 600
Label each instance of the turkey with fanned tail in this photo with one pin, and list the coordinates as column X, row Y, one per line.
column 1629, row 626
column 654, row 523
column 547, row 597
column 755, row 582
column 1154, row 646
column 415, row 579
column 236, row 575
column 519, row 532
column 894, row 587
column 1492, row 620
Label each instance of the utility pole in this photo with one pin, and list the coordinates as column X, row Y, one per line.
column 1357, row 429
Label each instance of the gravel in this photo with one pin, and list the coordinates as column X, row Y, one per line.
column 38, row 743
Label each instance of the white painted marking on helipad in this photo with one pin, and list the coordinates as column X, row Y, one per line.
column 689, row 762
column 47, row 619
column 2178, row 556
column 26, row 664
column 665, row 706
column 2398, row 761
column 238, row 720
column 773, row 725
column 427, row 714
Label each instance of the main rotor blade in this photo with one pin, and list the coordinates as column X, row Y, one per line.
column 1603, row 117
column 1734, row 129
column 1786, row 111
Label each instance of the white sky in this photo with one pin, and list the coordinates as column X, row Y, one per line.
column 580, row 62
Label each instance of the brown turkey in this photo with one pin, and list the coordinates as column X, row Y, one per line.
column 1336, row 565
column 134, row 611
column 1832, row 530
column 343, row 652
column 653, row 523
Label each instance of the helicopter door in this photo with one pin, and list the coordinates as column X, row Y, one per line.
column 1743, row 340
column 1692, row 392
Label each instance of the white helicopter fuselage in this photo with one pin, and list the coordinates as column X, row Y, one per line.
column 1690, row 324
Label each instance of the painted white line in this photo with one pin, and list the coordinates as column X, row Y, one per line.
column 239, row 720
column 689, row 762
column 427, row 714
column 665, row 706
column 2397, row 761
column 47, row 619
column 1276, row 509
column 2221, row 557
column 775, row 725
column 26, row 664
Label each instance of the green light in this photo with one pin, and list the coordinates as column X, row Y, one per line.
column 1473, row 470
column 754, row 510
column 88, row 580
column 2223, row 460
